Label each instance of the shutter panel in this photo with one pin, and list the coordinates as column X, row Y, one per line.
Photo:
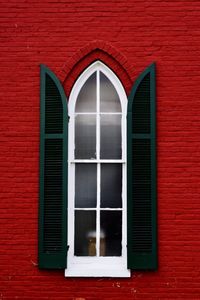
column 142, row 240
column 53, row 173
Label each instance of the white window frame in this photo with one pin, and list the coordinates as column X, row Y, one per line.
column 96, row 266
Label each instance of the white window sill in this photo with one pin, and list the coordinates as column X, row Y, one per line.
column 98, row 271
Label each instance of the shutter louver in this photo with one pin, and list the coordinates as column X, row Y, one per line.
column 142, row 252
column 141, row 107
column 53, row 196
column 53, row 173
column 53, row 108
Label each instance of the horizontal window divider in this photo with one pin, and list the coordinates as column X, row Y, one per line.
column 89, row 208
column 97, row 161
column 141, row 135
column 53, row 135
column 111, row 209
column 100, row 113
column 101, row 209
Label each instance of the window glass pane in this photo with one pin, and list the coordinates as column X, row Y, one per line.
column 109, row 99
column 85, row 233
column 85, row 136
column 111, row 233
column 110, row 137
column 86, row 100
column 111, row 185
column 85, row 185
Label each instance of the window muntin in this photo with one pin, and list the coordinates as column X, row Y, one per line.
column 97, row 144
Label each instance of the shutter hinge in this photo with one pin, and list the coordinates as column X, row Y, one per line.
column 68, row 118
column 67, row 247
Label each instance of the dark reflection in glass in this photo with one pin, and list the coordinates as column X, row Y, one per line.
column 85, row 233
column 111, row 185
column 86, row 100
column 109, row 99
column 85, row 137
column 111, row 232
column 110, row 144
column 85, row 185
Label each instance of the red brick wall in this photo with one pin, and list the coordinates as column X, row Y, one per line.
column 131, row 35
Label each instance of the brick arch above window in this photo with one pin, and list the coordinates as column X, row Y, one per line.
column 96, row 50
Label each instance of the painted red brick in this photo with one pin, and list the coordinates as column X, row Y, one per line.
column 127, row 35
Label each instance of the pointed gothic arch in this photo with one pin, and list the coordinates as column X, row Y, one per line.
column 96, row 51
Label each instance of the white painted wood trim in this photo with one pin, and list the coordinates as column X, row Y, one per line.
column 97, row 66
column 97, row 271
column 101, row 267
column 96, row 266
column 98, row 161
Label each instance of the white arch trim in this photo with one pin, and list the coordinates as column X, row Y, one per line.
column 97, row 66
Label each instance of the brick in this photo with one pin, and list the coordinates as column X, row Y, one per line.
column 128, row 36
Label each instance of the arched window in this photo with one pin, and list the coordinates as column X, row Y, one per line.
column 97, row 211
column 97, row 175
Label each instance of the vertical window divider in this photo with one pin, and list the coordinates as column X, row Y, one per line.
column 98, row 116
column 98, row 167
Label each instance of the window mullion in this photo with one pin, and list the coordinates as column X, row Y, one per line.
column 98, row 212
column 98, row 167
column 98, row 117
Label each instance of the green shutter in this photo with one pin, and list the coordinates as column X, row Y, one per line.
column 53, row 173
column 141, row 144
